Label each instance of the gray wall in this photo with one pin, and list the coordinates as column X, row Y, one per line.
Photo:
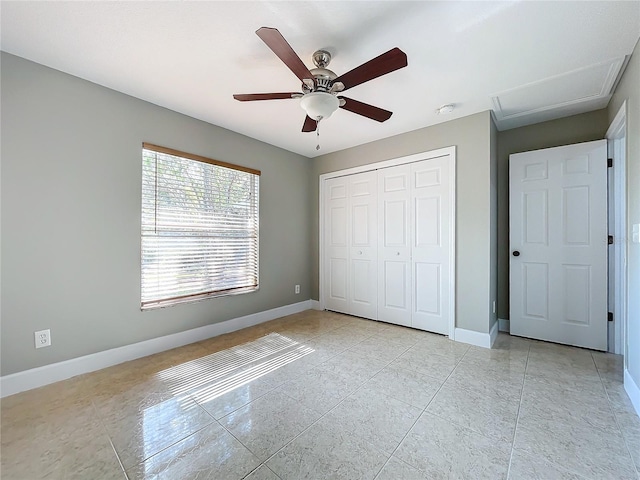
column 71, row 186
column 471, row 136
column 629, row 89
column 565, row 131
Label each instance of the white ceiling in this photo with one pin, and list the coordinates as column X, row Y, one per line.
column 528, row 61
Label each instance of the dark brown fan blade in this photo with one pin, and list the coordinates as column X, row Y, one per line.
column 276, row 42
column 366, row 110
column 309, row 124
column 381, row 65
column 248, row 97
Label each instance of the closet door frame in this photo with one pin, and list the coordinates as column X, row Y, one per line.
column 432, row 154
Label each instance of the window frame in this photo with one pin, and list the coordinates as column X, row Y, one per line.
column 147, row 304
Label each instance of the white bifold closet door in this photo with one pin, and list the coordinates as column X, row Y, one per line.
column 387, row 244
column 351, row 244
column 413, row 258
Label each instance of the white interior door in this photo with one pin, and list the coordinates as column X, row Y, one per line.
column 430, row 221
column 363, row 244
column 558, row 242
column 336, row 239
column 394, row 249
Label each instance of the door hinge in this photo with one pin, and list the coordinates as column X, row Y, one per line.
column 609, row 162
column 610, row 239
column 610, row 316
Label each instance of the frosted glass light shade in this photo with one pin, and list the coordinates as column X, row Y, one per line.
column 319, row 105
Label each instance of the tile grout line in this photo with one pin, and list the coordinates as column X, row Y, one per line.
column 181, row 439
column 463, row 388
column 245, row 446
column 515, row 428
column 106, row 432
column 214, row 420
column 295, row 399
column 328, row 411
column 449, row 420
column 419, row 417
column 189, row 395
column 555, row 465
column 562, row 468
column 615, row 417
column 264, row 462
column 276, row 386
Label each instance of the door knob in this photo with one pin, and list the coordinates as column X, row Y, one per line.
column 516, row 253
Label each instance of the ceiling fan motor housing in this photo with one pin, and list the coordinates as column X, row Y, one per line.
column 324, row 80
column 323, row 76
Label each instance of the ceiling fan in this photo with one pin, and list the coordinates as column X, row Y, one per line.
column 320, row 86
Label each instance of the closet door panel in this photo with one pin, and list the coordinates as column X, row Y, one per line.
column 430, row 243
column 363, row 244
column 394, row 249
column 336, row 238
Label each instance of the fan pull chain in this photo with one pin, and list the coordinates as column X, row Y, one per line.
column 318, row 134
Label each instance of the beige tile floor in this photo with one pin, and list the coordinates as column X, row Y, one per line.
column 323, row 395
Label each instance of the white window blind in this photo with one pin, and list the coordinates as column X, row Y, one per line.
column 199, row 227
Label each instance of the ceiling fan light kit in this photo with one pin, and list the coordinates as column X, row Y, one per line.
column 320, row 86
column 319, row 105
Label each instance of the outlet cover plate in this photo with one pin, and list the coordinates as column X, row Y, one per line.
column 43, row 338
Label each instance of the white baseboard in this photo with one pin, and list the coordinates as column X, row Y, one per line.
column 633, row 390
column 504, row 325
column 315, row 305
column 40, row 376
column 478, row 339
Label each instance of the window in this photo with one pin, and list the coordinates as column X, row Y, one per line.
column 199, row 228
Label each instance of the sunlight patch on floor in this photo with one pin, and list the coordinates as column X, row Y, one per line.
column 214, row 375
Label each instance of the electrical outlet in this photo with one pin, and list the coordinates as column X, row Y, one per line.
column 297, row 289
column 43, row 338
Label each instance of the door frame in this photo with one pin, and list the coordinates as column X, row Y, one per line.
column 429, row 155
column 617, row 132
